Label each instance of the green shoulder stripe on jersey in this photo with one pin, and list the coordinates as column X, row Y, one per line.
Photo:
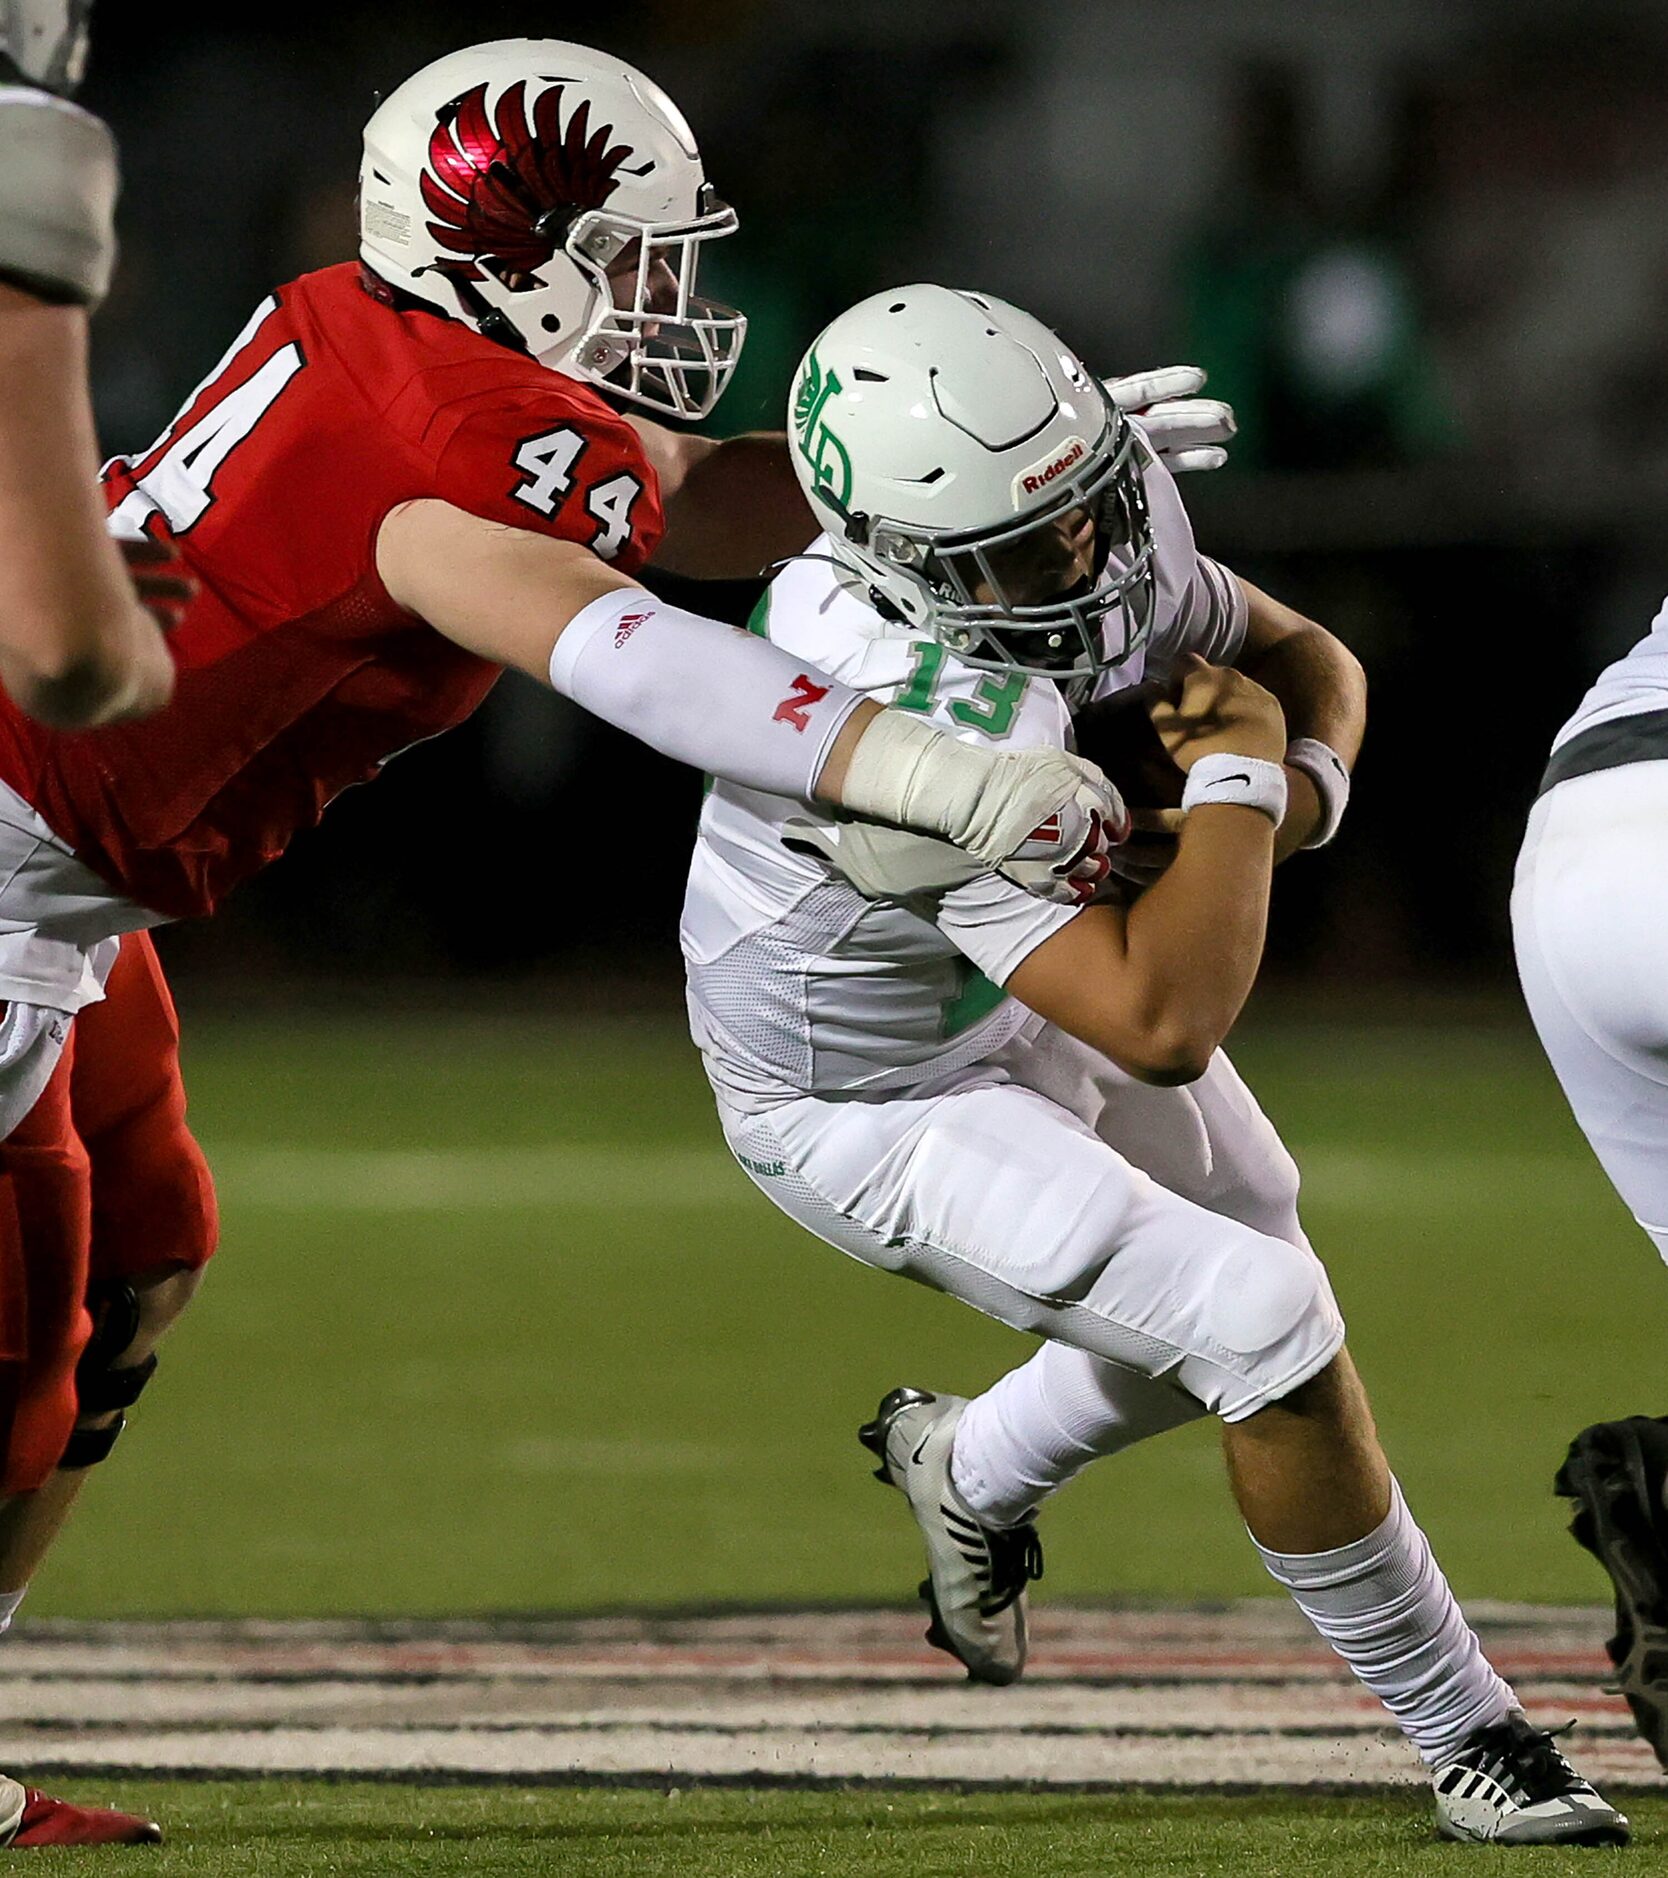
column 972, row 1004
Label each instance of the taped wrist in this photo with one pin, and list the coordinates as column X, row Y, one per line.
column 908, row 772
column 1326, row 770
column 710, row 695
column 1246, row 782
column 58, row 183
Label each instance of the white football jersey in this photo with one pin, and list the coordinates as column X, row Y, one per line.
column 1638, row 681
column 800, row 985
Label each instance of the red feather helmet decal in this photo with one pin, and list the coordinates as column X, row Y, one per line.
column 506, row 188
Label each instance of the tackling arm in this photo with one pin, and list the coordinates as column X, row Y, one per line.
column 734, row 705
column 1322, row 689
column 733, row 505
column 77, row 648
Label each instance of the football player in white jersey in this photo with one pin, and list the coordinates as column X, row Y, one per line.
column 1589, row 915
column 1026, row 1104
column 77, row 645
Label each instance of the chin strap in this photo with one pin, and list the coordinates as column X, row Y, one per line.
column 495, row 324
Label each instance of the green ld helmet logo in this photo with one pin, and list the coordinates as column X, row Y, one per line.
column 829, row 459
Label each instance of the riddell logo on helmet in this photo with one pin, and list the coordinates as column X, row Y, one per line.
column 1039, row 475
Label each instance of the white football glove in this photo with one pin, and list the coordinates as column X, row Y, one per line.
column 1067, row 856
column 1187, row 431
column 883, row 863
column 1045, row 819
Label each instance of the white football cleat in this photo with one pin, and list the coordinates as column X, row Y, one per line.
column 977, row 1575
column 1509, row 1785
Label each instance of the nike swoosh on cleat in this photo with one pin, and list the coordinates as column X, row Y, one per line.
column 915, row 1458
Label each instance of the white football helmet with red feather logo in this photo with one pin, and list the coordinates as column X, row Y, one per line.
column 528, row 185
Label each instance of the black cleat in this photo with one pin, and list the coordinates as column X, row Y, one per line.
column 1509, row 1785
column 1615, row 1473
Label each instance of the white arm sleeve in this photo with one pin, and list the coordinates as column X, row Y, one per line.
column 709, row 695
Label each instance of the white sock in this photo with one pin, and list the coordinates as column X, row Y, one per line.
column 9, row 1601
column 1042, row 1423
column 1385, row 1607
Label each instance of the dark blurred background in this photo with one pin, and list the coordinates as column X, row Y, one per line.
column 1423, row 248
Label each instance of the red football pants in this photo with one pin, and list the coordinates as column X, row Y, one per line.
column 101, row 1180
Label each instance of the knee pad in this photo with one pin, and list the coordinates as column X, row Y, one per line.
column 104, row 1385
column 1271, row 1307
column 1265, row 1292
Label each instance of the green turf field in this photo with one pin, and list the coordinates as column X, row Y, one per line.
column 497, row 1325
column 282, row 1829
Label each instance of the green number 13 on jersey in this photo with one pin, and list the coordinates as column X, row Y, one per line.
column 991, row 708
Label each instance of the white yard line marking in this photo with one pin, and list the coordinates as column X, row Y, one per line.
column 308, row 1179
column 397, row 1181
column 1150, row 1696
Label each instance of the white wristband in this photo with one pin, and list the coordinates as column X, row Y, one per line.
column 1325, row 769
column 1245, row 782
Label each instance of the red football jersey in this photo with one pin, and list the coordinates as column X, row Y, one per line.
column 298, row 675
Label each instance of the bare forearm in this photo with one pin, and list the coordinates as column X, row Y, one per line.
column 1194, row 940
column 1158, row 987
column 1319, row 682
column 736, row 510
column 100, row 686
column 76, row 647
column 1322, row 690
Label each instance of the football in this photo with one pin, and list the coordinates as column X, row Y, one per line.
column 1122, row 740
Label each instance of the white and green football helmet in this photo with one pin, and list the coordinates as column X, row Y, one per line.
column 941, row 439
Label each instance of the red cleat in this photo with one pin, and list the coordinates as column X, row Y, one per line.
column 37, row 1819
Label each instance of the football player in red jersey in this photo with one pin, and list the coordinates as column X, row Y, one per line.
column 401, row 477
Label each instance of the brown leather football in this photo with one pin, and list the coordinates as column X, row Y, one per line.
column 1121, row 739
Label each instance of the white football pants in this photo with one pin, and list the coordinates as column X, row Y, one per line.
column 1590, row 924
column 1153, row 1228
